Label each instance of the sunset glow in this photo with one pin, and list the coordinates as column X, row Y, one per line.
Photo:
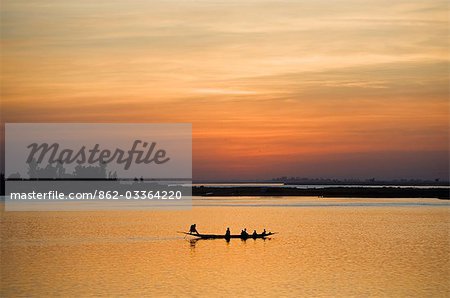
column 356, row 90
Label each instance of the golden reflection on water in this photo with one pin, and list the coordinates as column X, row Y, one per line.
column 320, row 251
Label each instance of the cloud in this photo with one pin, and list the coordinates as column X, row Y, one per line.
column 218, row 91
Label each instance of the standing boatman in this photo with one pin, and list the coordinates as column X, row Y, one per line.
column 193, row 229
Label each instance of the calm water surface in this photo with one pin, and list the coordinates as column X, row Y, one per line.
column 326, row 247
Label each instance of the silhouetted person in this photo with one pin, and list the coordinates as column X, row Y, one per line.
column 244, row 234
column 264, row 233
column 228, row 233
column 193, row 229
column 254, row 234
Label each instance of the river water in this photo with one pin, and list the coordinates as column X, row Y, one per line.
column 325, row 247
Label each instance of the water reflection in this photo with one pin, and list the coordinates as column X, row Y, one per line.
column 193, row 241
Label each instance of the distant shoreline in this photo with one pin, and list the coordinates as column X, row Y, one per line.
column 351, row 192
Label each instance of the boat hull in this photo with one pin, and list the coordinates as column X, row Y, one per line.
column 215, row 236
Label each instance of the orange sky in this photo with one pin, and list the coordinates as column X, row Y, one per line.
column 353, row 89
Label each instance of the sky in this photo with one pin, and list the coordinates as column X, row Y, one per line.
column 332, row 89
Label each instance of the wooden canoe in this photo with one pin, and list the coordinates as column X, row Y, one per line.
column 215, row 236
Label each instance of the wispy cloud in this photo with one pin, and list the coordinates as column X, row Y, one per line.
column 218, row 91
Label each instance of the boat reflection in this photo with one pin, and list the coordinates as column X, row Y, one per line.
column 193, row 241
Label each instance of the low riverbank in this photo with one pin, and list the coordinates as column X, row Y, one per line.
column 348, row 192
